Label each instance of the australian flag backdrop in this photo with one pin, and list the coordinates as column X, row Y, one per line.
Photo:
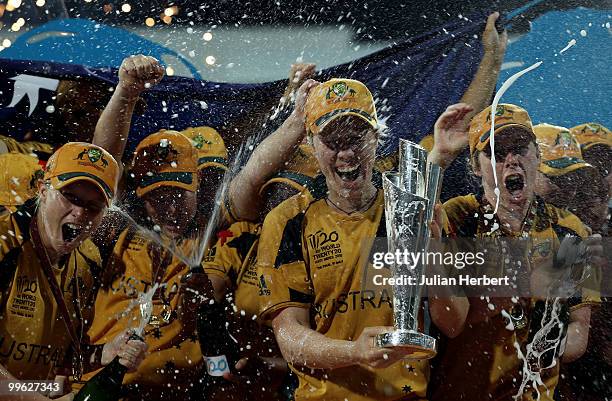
column 413, row 82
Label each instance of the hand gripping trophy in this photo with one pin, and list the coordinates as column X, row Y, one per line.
column 410, row 196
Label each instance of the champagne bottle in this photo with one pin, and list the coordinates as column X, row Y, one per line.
column 218, row 347
column 106, row 384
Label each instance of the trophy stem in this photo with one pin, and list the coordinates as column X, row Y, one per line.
column 409, row 318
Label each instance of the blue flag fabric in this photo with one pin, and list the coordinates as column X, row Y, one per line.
column 413, row 82
column 85, row 42
column 570, row 87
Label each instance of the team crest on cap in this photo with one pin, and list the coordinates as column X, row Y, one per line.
column 339, row 91
column 199, row 141
column 166, row 152
column 565, row 139
column 94, row 155
column 502, row 112
column 592, row 128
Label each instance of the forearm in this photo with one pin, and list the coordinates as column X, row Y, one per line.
column 577, row 334
column 475, row 99
column 271, row 154
column 442, row 159
column 448, row 306
column 113, row 127
column 303, row 346
column 92, row 355
column 449, row 314
column 269, row 157
column 479, row 93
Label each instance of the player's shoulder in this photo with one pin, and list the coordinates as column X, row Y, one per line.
column 457, row 209
column 15, row 229
column 565, row 222
column 241, row 227
column 119, row 244
column 241, row 236
column 290, row 208
column 90, row 252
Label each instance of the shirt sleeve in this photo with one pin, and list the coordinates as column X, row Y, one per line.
column 228, row 212
column 281, row 266
column 11, row 245
column 222, row 259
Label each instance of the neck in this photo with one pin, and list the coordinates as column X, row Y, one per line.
column 510, row 216
column 355, row 201
column 44, row 240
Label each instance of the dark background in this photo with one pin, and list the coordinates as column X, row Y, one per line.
column 410, row 18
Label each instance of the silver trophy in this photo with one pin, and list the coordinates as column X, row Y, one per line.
column 410, row 196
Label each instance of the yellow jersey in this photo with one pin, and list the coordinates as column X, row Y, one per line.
column 135, row 265
column 482, row 362
column 311, row 256
column 33, row 336
column 233, row 259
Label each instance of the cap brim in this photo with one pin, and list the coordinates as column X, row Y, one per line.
column 588, row 145
column 562, row 166
column 503, row 127
column 59, row 183
column 294, row 180
column 212, row 164
column 141, row 191
column 323, row 121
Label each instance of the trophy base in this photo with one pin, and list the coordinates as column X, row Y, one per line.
column 417, row 345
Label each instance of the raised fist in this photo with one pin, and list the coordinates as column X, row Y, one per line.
column 298, row 74
column 494, row 42
column 302, row 95
column 139, row 72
